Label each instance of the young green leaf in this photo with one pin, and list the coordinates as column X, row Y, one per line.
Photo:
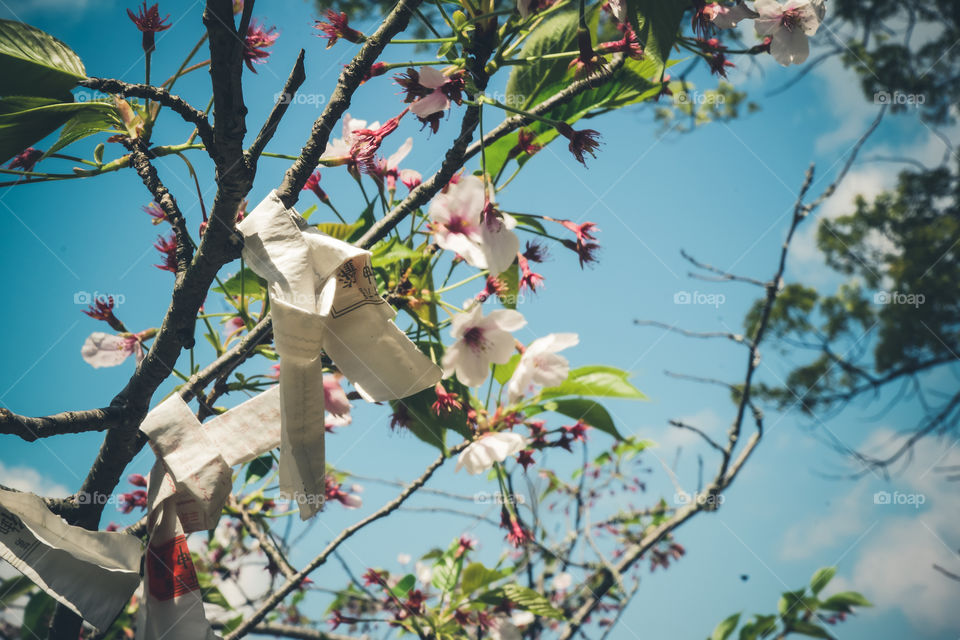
column 34, row 63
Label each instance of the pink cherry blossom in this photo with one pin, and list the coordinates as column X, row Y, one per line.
column 339, row 148
column 109, row 350
column 462, row 222
column 388, row 170
column 540, row 364
column 480, row 342
column 336, row 401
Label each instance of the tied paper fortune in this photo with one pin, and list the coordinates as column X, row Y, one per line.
column 323, row 296
column 188, row 487
column 93, row 573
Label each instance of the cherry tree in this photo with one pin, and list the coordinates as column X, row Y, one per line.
column 346, row 306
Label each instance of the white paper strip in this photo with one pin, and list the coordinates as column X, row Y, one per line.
column 93, row 573
column 324, row 298
column 172, row 605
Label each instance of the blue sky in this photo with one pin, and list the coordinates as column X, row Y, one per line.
column 723, row 193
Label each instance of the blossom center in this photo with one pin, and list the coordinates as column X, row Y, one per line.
column 475, row 339
column 790, row 19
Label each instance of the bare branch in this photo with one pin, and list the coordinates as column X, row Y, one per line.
column 277, row 596
column 149, row 92
column 350, row 78
column 723, row 276
column 689, row 427
column 31, row 429
column 735, row 337
column 297, row 76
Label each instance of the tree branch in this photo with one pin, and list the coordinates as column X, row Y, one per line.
column 31, row 429
column 277, row 596
column 350, row 78
column 149, row 92
column 296, row 78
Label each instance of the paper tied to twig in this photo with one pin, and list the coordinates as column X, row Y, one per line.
column 323, row 296
column 93, row 573
column 189, row 484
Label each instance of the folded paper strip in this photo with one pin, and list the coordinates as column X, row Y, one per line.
column 324, row 299
column 66, row 561
column 188, row 486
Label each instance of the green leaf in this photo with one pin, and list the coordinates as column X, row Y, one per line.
column 245, row 281
column 809, row 629
column 35, row 63
column 502, row 372
column 632, row 83
column 844, row 600
column 656, row 23
column 388, row 252
column 427, row 425
column 595, row 381
column 210, row 592
column 258, row 468
column 555, row 34
column 37, row 615
column 364, row 222
column 25, row 120
column 726, row 628
column 13, row 588
column 587, row 410
column 476, row 576
column 402, row 588
column 446, row 572
column 821, row 578
column 532, row 601
column 511, row 278
column 792, row 603
column 87, row 123
column 339, row 230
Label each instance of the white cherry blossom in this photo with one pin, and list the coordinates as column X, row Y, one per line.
column 480, row 342
column 540, row 364
column 789, row 25
column 480, row 454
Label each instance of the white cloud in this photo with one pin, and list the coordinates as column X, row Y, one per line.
column 846, row 103
column 887, row 551
column 29, row 479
